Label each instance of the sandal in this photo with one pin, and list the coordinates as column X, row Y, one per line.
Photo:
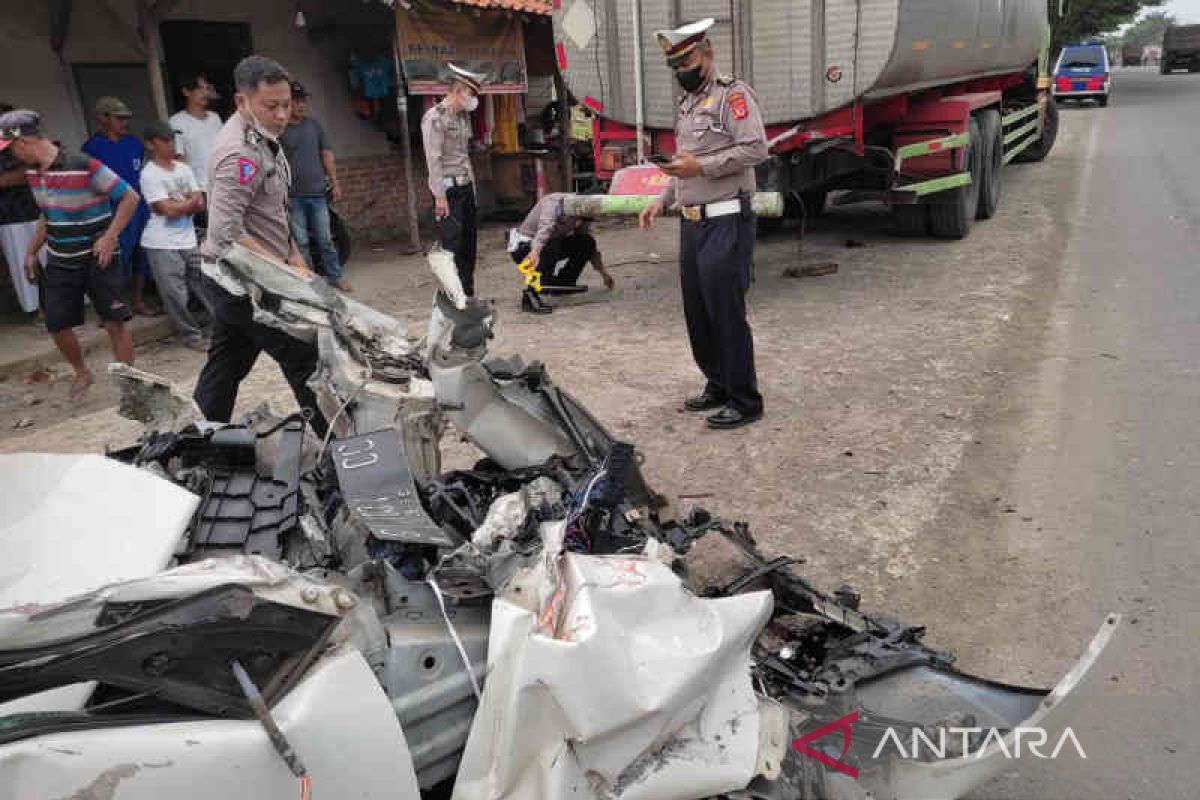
column 79, row 388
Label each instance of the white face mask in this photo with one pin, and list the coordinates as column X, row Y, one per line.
column 248, row 115
column 472, row 104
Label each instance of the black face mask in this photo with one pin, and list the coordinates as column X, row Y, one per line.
column 691, row 79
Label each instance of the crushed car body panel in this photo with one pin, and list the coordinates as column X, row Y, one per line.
column 684, row 723
column 523, row 628
column 59, row 535
column 338, row 718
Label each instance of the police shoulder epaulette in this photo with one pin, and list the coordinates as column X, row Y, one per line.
column 726, row 80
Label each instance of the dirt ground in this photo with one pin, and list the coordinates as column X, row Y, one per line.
column 883, row 383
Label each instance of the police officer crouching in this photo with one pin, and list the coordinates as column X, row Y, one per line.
column 559, row 246
column 248, row 184
column 719, row 138
column 446, row 132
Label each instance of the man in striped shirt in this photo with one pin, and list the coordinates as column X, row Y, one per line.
column 85, row 206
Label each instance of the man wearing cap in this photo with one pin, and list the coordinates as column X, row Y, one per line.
column 313, row 166
column 559, row 246
column 85, row 206
column 248, row 181
column 169, row 240
column 113, row 147
column 719, row 138
column 446, row 131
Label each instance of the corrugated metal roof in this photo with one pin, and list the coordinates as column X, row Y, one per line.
column 545, row 7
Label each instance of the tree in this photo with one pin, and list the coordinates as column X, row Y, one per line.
column 1086, row 19
column 1148, row 30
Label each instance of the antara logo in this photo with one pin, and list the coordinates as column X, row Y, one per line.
column 970, row 743
column 800, row 745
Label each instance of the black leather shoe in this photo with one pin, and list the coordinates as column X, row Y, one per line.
column 706, row 401
column 549, row 288
column 532, row 303
column 729, row 417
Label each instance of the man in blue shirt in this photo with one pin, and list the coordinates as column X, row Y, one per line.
column 113, row 147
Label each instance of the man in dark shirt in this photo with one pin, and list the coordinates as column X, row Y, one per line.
column 312, row 162
column 113, row 147
column 77, row 196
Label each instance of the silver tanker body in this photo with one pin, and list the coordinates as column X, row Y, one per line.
column 804, row 57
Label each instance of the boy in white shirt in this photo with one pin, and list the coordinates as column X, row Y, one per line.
column 169, row 240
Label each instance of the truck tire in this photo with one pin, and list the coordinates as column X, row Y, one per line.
column 951, row 214
column 1042, row 147
column 813, row 203
column 1102, row 101
column 911, row 221
column 993, row 163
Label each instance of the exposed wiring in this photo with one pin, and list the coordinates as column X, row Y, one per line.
column 345, row 404
column 278, row 740
column 462, row 651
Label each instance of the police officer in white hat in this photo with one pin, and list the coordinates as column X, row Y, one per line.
column 446, row 130
column 719, row 139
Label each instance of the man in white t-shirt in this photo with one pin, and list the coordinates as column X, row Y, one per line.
column 196, row 127
column 169, row 239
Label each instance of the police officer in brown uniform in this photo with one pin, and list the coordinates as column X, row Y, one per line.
column 248, row 182
column 719, row 139
column 446, row 132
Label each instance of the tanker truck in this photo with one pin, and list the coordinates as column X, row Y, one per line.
column 919, row 103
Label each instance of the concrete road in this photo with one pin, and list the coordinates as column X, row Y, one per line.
column 1106, row 447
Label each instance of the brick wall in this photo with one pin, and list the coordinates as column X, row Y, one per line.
column 375, row 196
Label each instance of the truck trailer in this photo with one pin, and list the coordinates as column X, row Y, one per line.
column 919, row 103
column 1180, row 49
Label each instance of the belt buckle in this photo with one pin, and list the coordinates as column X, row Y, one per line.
column 694, row 213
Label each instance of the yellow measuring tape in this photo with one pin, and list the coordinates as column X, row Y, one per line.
column 533, row 278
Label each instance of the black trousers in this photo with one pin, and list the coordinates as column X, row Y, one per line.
column 714, row 263
column 459, row 232
column 577, row 250
column 236, row 342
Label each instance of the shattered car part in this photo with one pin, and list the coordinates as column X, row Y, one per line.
column 178, row 654
column 519, row 628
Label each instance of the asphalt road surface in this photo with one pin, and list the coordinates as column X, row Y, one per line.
column 1108, row 452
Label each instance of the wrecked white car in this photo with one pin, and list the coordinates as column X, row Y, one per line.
column 248, row 611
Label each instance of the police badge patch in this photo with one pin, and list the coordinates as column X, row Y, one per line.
column 737, row 104
column 247, row 169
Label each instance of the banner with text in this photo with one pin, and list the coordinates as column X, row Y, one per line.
column 491, row 44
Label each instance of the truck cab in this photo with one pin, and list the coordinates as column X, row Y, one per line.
column 1083, row 72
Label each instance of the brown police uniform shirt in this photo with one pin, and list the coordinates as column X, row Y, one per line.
column 721, row 125
column 446, row 136
column 248, row 179
column 546, row 221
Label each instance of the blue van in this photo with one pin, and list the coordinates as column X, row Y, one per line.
column 1083, row 73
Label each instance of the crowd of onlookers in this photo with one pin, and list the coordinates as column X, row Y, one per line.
column 98, row 226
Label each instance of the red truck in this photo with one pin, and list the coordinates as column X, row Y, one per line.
column 920, row 103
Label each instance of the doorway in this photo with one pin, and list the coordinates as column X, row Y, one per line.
column 129, row 82
column 212, row 49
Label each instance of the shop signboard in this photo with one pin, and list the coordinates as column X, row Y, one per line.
column 491, row 43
